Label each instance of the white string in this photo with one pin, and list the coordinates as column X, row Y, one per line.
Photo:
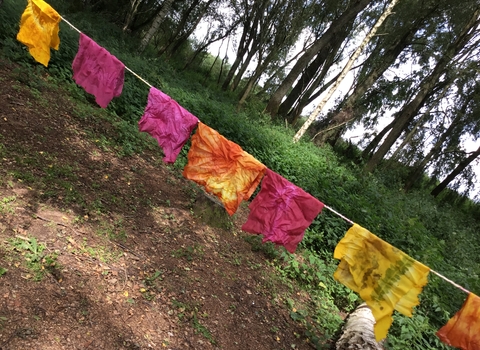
column 128, row 69
column 325, row 206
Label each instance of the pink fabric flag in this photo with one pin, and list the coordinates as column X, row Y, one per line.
column 281, row 212
column 97, row 71
column 165, row 120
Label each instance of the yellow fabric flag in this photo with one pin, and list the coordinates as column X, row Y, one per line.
column 385, row 277
column 39, row 30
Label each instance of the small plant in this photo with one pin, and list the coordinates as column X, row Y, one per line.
column 6, row 205
column 3, row 271
column 188, row 252
column 38, row 262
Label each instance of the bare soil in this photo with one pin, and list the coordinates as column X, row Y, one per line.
column 130, row 260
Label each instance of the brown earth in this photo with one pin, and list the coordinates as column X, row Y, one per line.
column 129, row 260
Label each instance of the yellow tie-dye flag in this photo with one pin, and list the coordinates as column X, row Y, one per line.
column 39, row 30
column 385, row 277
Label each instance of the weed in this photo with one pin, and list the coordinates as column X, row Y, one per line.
column 188, row 252
column 3, row 271
column 201, row 329
column 37, row 262
column 6, row 205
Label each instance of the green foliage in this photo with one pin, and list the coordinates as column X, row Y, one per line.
column 36, row 260
column 439, row 234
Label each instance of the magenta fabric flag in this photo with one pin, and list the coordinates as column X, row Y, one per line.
column 97, row 71
column 168, row 122
column 281, row 212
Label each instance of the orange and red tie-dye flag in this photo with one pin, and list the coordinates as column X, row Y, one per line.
column 463, row 330
column 222, row 167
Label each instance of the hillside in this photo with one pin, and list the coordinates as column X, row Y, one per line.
column 103, row 246
column 109, row 252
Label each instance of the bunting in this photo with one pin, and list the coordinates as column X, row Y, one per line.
column 169, row 123
column 39, row 27
column 385, row 277
column 463, row 330
column 222, row 167
column 281, row 212
column 97, row 71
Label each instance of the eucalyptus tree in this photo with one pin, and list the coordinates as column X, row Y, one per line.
column 462, row 111
column 430, row 83
column 342, row 12
column 279, row 31
column 189, row 16
column 387, row 51
column 155, row 25
column 457, row 171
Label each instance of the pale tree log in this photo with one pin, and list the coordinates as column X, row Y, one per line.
column 167, row 4
column 357, row 333
column 344, row 72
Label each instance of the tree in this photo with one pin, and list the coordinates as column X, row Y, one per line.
column 337, row 25
column 167, row 4
column 425, row 90
column 345, row 70
column 461, row 166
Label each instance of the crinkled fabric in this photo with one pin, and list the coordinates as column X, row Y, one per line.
column 463, row 330
column 385, row 277
column 281, row 212
column 97, row 71
column 222, row 167
column 168, row 122
column 39, row 30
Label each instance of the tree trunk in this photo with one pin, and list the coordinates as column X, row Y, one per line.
column 350, row 13
column 376, row 140
column 357, row 333
column 425, row 90
column 131, row 14
column 167, row 4
column 345, row 70
column 460, row 167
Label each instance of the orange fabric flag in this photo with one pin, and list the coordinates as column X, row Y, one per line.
column 385, row 277
column 463, row 330
column 222, row 167
column 39, row 30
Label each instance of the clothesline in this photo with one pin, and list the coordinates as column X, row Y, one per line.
column 128, row 69
column 325, row 206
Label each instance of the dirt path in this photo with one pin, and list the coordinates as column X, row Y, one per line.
column 103, row 252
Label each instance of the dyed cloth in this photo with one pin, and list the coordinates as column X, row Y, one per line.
column 385, row 277
column 97, row 71
column 168, row 122
column 463, row 330
column 39, row 30
column 281, row 212
column 222, row 167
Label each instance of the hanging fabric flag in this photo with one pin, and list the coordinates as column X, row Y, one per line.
column 97, row 71
column 281, row 211
column 222, row 167
column 165, row 120
column 385, row 277
column 39, row 30
column 463, row 330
